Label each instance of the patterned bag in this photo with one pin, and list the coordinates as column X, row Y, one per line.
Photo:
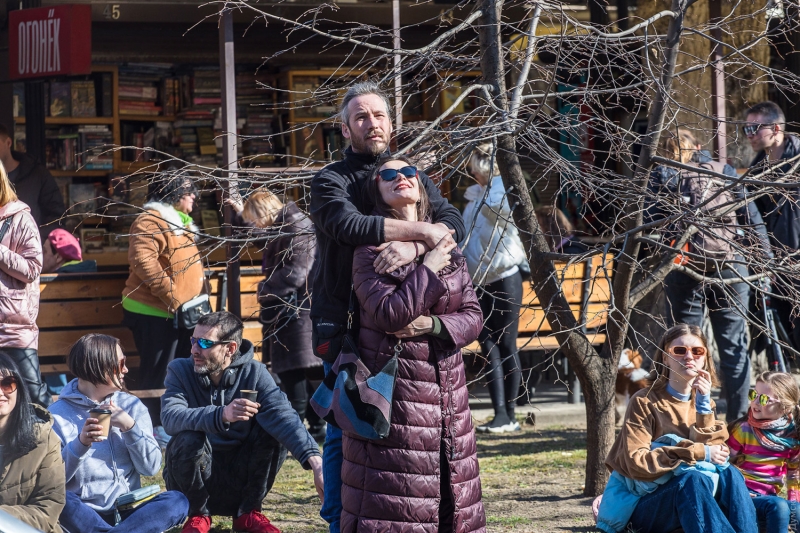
column 352, row 399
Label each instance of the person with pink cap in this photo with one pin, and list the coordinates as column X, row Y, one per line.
column 62, row 254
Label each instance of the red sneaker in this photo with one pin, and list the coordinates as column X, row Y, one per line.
column 254, row 522
column 198, row 523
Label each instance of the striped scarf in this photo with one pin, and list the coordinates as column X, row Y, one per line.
column 775, row 435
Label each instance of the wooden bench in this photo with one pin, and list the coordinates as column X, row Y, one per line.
column 72, row 305
column 587, row 287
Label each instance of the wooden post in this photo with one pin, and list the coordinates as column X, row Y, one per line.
column 718, row 86
column 229, row 157
column 34, row 109
column 398, row 77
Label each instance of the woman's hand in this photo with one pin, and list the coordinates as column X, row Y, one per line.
column 439, row 257
column 92, row 432
column 718, row 454
column 420, row 326
column 702, row 383
column 120, row 419
column 235, row 203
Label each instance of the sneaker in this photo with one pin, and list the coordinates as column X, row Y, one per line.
column 501, row 425
column 254, row 522
column 161, row 436
column 505, row 428
column 198, row 523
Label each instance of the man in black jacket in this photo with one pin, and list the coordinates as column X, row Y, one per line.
column 343, row 221
column 766, row 132
column 226, row 449
column 33, row 183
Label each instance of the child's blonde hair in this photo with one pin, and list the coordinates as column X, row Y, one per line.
column 678, row 145
column 786, row 391
column 261, row 208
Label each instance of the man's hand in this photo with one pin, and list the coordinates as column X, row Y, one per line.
column 434, row 233
column 718, row 453
column 420, row 326
column 394, row 255
column 315, row 462
column 239, row 410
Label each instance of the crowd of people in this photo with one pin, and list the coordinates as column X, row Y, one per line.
column 383, row 259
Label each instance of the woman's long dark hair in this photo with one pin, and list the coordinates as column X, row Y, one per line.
column 20, row 434
column 374, row 193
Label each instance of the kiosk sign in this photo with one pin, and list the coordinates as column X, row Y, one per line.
column 50, row 41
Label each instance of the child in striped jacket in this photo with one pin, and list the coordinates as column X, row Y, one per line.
column 764, row 445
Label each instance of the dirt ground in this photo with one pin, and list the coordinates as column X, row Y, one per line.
column 532, row 482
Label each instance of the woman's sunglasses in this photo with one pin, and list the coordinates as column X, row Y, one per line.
column 205, row 343
column 763, row 399
column 390, row 174
column 8, row 385
column 680, row 351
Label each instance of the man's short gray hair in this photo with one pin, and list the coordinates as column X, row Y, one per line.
column 771, row 112
column 360, row 89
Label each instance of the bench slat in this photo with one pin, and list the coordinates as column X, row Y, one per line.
column 74, row 289
column 532, row 319
column 82, row 313
column 58, row 342
column 541, row 343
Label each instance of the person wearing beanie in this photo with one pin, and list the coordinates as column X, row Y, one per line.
column 62, row 254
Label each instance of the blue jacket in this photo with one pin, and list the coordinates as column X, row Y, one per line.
column 622, row 494
column 100, row 473
column 188, row 405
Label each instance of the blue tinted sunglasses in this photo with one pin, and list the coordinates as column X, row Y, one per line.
column 390, row 174
column 205, row 343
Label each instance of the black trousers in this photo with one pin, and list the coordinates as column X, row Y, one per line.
column 296, row 384
column 223, row 482
column 27, row 360
column 158, row 343
column 500, row 302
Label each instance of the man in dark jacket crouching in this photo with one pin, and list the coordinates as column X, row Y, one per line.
column 226, row 450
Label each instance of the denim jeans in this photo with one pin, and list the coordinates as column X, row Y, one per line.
column 686, row 501
column 776, row 514
column 223, row 482
column 332, row 460
column 687, row 300
column 165, row 511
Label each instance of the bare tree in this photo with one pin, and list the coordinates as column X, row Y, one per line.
column 531, row 77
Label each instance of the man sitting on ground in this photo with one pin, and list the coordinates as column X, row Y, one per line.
column 225, row 450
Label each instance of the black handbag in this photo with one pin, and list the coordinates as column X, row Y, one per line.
column 189, row 313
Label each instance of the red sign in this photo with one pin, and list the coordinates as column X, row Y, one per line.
column 50, row 41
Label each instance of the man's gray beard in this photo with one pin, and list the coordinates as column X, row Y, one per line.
column 208, row 369
column 360, row 147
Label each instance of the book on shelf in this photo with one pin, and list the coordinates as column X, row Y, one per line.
column 18, row 100
column 104, row 93
column 83, row 99
column 60, row 99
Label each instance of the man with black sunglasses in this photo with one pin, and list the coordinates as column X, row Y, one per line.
column 226, row 450
column 343, row 219
column 766, row 132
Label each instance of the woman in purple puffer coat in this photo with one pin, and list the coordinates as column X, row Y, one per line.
column 424, row 476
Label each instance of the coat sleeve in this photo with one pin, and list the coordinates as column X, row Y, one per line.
column 177, row 416
column 334, row 213
column 295, row 260
column 642, row 463
column 392, row 305
column 140, row 442
column 464, row 325
column 23, row 260
column 277, row 417
column 441, row 209
column 147, row 244
column 45, row 503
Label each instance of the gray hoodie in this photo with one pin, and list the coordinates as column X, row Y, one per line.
column 100, row 473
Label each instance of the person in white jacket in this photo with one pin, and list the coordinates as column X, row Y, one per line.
column 100, row 469
column 494, row 253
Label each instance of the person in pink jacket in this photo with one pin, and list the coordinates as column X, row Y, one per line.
column 20, row 266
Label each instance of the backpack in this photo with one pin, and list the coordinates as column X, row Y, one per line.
column 715, row 242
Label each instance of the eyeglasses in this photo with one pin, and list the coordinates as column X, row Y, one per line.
column 390, row 174
column 8, row 385
column 205, row 343
column 752, row 129
column 680, row 351
column 763, row 399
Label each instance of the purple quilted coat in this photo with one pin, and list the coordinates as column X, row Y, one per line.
column 396, row 484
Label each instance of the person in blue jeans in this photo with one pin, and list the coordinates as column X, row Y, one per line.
column 343, row 220
column 679, row 403
column 100, row 468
